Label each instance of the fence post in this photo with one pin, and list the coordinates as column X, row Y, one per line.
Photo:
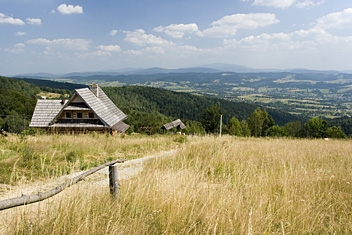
column 114, row 182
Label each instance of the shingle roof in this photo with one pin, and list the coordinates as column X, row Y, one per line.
column 44, row 112
column 120, row 127
column 173, row 124
column 103, row 107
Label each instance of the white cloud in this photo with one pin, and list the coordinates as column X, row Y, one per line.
column 146, row 51
column 10, row 20
column 109, row 48
column 336, row 20
column 274, row 3
column 288, row 3
column 268, row 42
column 34, row 21
column 69, row 9
column 139, row 37
column 17, row 48
column 20, row 33
column 190, row 49
column 308, row 3
column 307, row 41
column 65, row 43
column 177, row 30
column 228, row 25
column 113, row 32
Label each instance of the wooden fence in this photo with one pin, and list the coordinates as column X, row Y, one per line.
column 114, row 185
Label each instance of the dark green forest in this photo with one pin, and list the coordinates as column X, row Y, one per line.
column 153, row 102
column 152, row 107
column 17, row 102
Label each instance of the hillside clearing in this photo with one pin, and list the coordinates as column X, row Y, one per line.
column 212, row 185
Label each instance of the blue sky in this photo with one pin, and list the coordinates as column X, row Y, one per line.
column 55, row 36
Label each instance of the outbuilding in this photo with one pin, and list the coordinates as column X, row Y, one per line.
column 177, row 125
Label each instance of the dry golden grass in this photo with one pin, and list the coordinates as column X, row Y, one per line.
column 46, row 156
column 214, row 186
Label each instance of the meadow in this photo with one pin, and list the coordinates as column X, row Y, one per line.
column 211, row 185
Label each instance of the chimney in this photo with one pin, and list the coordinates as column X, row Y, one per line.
column 94, row 88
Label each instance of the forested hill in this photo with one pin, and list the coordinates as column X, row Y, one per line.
column 53, row 86
column 183, row 105
column 17, row 98
column 145, row 106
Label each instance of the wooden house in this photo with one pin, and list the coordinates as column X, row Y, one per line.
column 89, row 109
column 177, row 124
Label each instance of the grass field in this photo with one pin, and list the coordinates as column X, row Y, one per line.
column 212, row 185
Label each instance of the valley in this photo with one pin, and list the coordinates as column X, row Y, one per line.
column 309, row 93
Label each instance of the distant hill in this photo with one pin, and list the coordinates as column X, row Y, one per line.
column 49, row 85
column 183, row 105
column 207, row 68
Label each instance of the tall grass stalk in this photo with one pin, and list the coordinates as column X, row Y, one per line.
column 215, row 186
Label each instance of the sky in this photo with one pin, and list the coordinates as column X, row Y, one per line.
column 55, row 36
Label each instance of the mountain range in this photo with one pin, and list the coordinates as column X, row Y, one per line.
column 209, row 68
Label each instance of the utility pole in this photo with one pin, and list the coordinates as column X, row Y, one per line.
column 220, row 124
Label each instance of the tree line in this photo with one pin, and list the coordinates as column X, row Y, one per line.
column 261, row 123
column 149, row 108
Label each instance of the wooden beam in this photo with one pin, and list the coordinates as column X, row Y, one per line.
column 28, row 199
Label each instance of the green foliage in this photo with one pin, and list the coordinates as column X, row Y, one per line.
column 316, row 127
column 180, row 139
column 15, row 123
column 149, row 108
column 255, row 123
column 294, row 129
column 53, row 86
column 245, row 128
column 194, row 127
column 211, row 119
column 277, row 131
column 30, row 131
column 345, row 124
column 17, row 102
column 132, row 99
column 335, row 132
column 234, row 127
column 259, row 122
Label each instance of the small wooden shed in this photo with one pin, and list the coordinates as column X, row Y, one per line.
column 178, row 124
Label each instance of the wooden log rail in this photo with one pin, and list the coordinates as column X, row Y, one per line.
column 28, row 199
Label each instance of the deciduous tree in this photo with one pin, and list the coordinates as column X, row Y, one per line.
column 211, row 119
column 259, row 122
column 234, row 127
column 316, row 127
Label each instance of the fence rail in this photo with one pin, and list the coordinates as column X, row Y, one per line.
column 28, row 199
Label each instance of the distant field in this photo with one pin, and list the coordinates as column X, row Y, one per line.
column 212, row 185
column 49, row 95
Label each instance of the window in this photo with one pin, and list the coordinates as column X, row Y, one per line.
column 68, row 115
column 79, row 115
column 91, row 115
